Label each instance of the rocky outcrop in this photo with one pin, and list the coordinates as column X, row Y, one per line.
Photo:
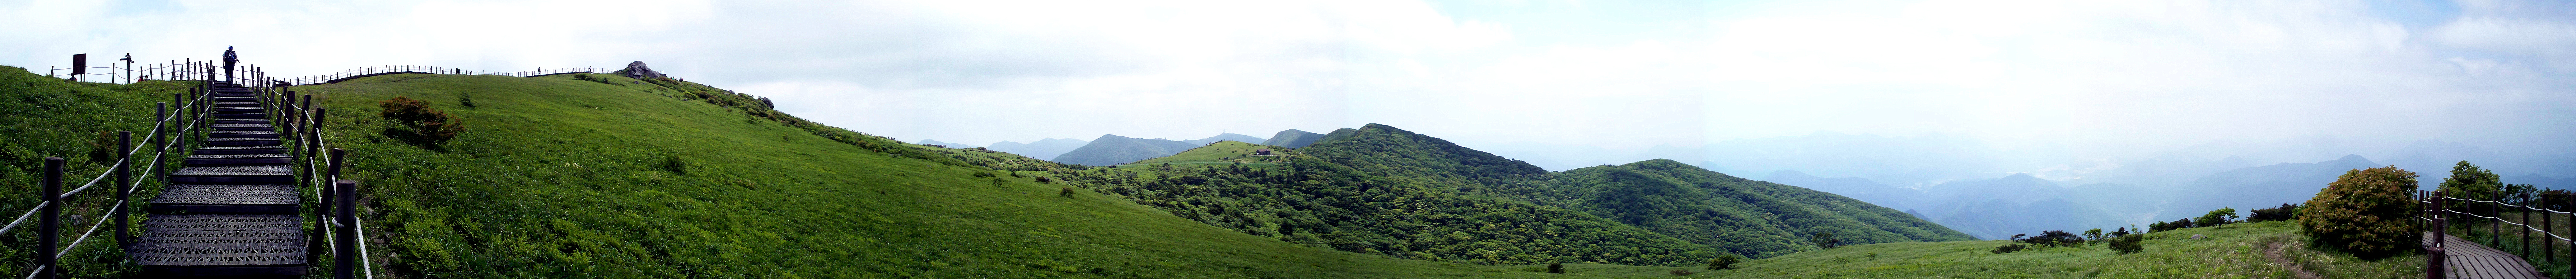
column 637, row 70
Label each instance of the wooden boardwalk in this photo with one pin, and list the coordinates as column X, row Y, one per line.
column 232, row 210
column 2470, row 260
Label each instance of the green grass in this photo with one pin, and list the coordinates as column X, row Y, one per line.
column 1222, row 152
column 49, row 117
column 556, row 177
column 2231, row 251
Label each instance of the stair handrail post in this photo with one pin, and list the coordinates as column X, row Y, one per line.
column 344, row 236
column 51, row 204
column 124, row 184
column 2433, row 260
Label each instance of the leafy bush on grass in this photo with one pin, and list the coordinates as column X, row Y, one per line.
column 2009, row 248
column 2222, row 216
column 2365, row 212
column 2283, row 213
column 2129, row 244
column 587, row 77
column 1723, row 262
column 1678, row 272
column 2054, row 239
column 1558, row 268
column 419, row 123
column 2185, row 223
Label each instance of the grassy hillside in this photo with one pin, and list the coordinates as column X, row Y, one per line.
column 1223, row 152
column 560, row 177
column 48, row 117
column 2231, row 251
column 1746, row 217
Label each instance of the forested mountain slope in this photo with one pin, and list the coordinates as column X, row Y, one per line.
column 1744, row 216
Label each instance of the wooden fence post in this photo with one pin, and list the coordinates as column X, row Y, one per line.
column 345, row 237
column 124, row 182
column 51, row 203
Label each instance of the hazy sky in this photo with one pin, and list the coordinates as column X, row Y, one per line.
column 2100, row 78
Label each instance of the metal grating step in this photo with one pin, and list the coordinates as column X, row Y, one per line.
column 221, row 244
column 254, row 174
column 228, row 199
column 230, row 150
column 245, row 127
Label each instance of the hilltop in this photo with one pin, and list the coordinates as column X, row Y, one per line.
column 563, row 176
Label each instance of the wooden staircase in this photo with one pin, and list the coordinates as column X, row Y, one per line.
column 233, row 209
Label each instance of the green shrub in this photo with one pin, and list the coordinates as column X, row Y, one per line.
column 1825, row 240
column 2222, row 216
column 2366, row 212
column 2009, row 248
column 2283, row 213
column 1556, row 268
column 419, row 123
column 673, row 164
column 2054, row 239
column 2129, row 244
column 1723, row 262
column 1678, row 272
column 1067, row 192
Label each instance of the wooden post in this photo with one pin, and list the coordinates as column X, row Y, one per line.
column 124, row 182
column 346, row 238
column 51, row 203
column 2433, row 268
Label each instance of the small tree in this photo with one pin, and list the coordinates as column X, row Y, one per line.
column 2094, row 234
column 2468, row 181
column 2366, row 212
column 2222, row 216
column 1556, row 268
column 2129, row 244
column 1723, row 262
column 2009, row 248
column 1067, row 192
column 1825, row 240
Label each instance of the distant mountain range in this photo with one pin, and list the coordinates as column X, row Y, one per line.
column 1042, row 149
column 1224, row 137
column 947, row 144
column 1113, row 150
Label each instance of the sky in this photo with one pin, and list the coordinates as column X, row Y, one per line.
column 2061, row 81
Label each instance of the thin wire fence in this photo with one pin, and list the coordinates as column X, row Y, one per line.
column 418, row 69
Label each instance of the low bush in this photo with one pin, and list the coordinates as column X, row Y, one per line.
column 2054, row 239
column 1723, row 262
column 2282, row 213
column 418, row 123
column 2366, row 212
column 2129, row 244
column 1678, row 272
column 1556, row 268
column 2222, row 216
column 2009, row 248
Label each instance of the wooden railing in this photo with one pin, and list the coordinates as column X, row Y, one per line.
column 174, row 70
column 2443, row 213
column 169, row 135
column 337, row 224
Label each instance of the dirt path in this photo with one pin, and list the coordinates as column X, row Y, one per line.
column 2273, row 251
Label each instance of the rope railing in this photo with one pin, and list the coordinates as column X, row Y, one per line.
column 419, row 69
column 131, row 73
column 2439, row 209
column 336, row 217
column 52, row 201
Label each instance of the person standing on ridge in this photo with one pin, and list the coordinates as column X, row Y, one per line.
column 229, row 58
